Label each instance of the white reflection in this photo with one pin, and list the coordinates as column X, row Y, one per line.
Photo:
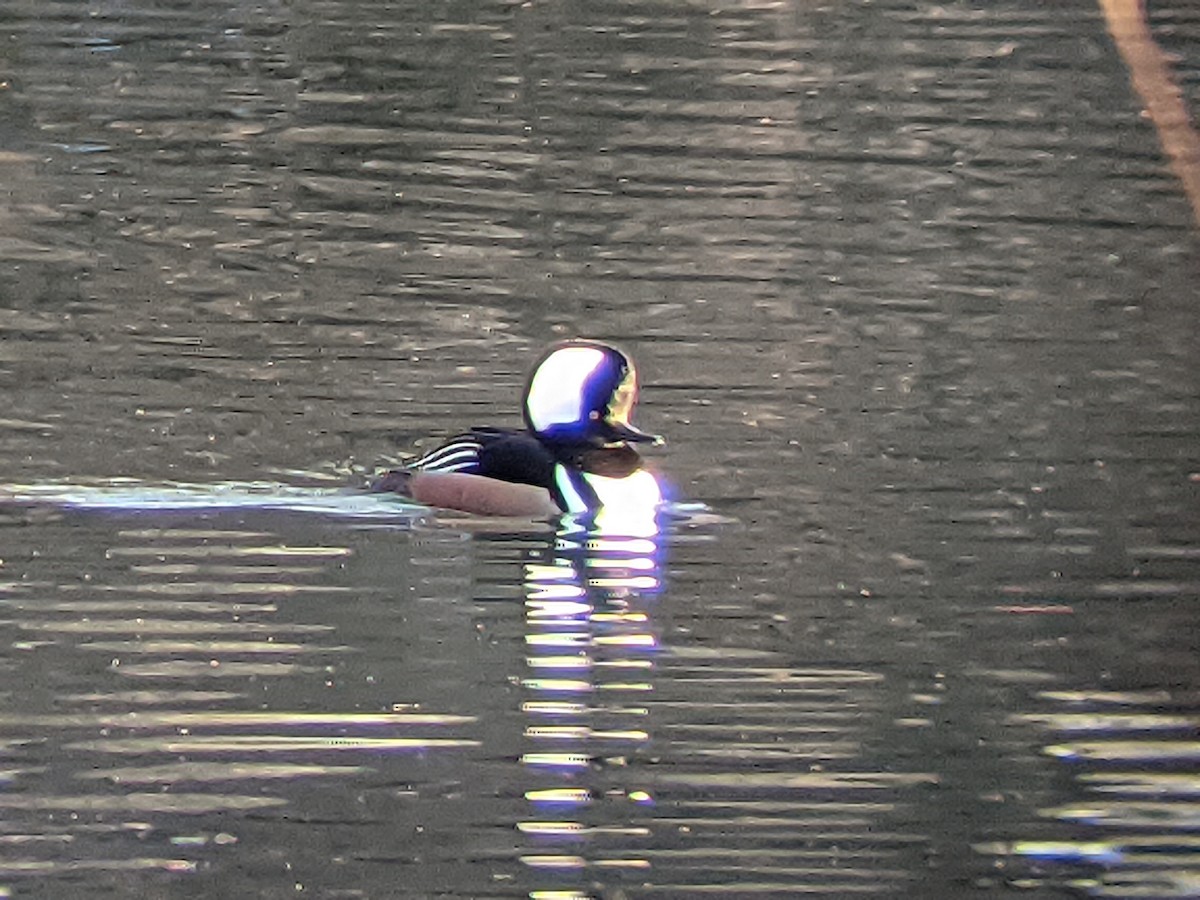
column 591, row 646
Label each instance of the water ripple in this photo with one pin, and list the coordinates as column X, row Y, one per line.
column 1136, row 773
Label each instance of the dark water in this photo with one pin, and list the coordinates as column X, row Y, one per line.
column 914, row 296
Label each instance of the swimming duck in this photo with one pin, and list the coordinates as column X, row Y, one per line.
column 574, row 455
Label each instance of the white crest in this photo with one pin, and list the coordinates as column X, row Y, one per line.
column 557, row 388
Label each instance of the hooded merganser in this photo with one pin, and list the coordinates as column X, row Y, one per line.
column 574, row 454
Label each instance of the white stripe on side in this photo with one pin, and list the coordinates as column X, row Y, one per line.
column 571, row 497
column 457, row 454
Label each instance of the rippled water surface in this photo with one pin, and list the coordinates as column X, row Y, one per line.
column 913, row 293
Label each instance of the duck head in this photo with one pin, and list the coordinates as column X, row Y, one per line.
column 582, row 394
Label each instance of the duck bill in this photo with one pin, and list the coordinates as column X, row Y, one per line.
column 625, row 432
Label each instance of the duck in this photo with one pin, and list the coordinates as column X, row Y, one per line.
column 576, row 454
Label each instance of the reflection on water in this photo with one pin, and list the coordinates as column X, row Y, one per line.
column 591, row 650
column 182, row 716
column 1134, row 754
column 652, row 761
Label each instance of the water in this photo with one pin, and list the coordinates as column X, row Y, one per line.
column 913, row 294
